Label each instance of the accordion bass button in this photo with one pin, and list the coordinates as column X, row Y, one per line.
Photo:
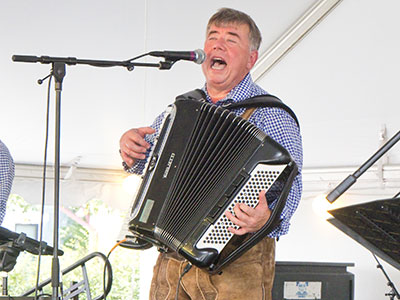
column 214, row 212
column 230, row 191
column 239, row 180
column 221, row 203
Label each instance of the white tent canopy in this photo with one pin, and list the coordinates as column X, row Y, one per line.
column 340, row 79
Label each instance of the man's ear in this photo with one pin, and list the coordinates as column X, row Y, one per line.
column 252, row 59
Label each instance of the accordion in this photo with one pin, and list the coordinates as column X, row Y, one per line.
column 205, row 160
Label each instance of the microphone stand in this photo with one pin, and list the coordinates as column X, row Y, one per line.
column 390, row 283
column 59, row 72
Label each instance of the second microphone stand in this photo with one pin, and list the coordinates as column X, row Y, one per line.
column 393, row 292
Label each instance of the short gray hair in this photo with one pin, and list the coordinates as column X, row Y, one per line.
column 225, row 16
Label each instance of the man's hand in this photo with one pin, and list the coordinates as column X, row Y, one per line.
column 249, row 219
column 133, row 146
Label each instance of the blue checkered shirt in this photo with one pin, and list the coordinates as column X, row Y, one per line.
column 275, row 122
column 6, row 178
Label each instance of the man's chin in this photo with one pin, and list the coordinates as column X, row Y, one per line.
column 217, row 77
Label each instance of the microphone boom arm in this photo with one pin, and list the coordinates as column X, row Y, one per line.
column 96, row 63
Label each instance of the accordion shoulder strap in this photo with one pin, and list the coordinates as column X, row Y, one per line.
column 251, row 104
column 196, row 94
column 263, row 101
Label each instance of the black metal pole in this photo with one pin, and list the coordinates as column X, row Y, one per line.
column 59, row 74
column 351, row 179
column 5, row 286
column 162, row 65
column 390, row 283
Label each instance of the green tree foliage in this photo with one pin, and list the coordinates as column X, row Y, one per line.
column 75, row 237
column 76, row 240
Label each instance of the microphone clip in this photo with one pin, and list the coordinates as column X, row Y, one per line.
column 167, row 64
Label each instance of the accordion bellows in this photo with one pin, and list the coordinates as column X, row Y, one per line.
column 205, row 160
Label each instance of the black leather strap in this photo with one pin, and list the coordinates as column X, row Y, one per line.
column 196, row 94
column 257, row 101
column 263, row 101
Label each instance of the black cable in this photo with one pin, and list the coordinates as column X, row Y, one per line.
column 137, row 57
column 43, row 188
column 104, row 275
column 185, row 270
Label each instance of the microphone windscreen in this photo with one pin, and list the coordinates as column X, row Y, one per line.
column 200, row 56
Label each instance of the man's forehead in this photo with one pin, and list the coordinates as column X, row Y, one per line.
column 230, row 27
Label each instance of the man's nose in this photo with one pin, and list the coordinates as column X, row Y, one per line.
column 219, row 44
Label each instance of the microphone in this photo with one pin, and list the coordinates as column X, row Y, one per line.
column 341, row 188
column 351, row 179
column 198, row 56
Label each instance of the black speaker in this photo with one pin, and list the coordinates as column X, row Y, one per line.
column 313, row 280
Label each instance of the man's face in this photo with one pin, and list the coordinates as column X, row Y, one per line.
column 229, row 58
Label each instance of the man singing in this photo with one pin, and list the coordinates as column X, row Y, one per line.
column 231, row 45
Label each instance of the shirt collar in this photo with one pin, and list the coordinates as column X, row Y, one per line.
column 243, row 90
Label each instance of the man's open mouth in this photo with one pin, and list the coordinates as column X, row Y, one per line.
column 218, row 63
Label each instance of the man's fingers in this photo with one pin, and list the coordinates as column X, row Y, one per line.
column 145, row 130
column 249, row 219
column 239, row 231
column 127, row 159
column 135, row 155
column 234, row 219
column 133, row 145
column 243, row 210
column 262, row 200
column 237, row 222
column 136, row 137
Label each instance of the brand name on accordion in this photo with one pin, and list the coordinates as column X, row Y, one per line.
column 169, row 164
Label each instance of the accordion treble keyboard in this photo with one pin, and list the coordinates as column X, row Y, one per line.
column 261, row 179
